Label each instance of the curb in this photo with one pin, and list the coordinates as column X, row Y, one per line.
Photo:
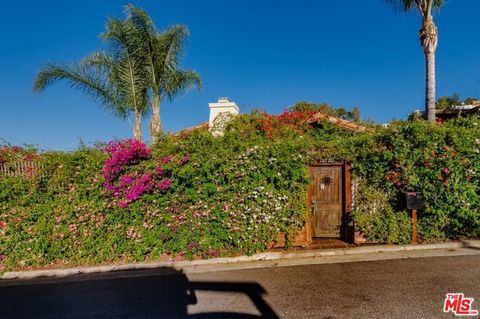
column 266, row 256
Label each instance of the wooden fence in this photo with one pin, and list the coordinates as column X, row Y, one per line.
column 21, row 168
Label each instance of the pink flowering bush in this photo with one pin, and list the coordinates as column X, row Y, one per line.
column 121, row 154
column 129, row 187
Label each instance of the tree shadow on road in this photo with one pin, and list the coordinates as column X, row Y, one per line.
column 157, row 293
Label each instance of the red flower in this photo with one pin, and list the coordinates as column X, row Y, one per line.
column 295, row 120
column 393, row 177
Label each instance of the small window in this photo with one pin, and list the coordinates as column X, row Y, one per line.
column 327, row 180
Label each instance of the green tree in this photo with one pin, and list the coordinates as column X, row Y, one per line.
column 304, row 107
column 162, row 52
column 446, row 102
column 443, row 103
column 352, row 115
column 117, row 78
column 455, row 99
column 428, row 40
column 471, row 100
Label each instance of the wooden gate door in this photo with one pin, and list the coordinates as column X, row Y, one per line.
column 327, row 200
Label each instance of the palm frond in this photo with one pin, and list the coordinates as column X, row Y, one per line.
column 170, row 44
column 129, row 70
column 140, row 18
column 148, row 34
column 180, row 81
column 437, row 4
column 424, row 7
column 404, row 5
column 162, row 53
column 131, row 84
column 85, row 77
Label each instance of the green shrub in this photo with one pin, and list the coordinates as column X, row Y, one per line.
column 441, row 161
column 234, row 194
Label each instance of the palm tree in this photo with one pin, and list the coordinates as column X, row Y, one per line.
column 428, row 40
column 162, row 52
column 117, row 78
column 128, row 67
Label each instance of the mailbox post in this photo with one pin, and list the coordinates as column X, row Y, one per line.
column 414, row 226
column 414, row 202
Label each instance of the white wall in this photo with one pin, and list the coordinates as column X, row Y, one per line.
column 225, row 107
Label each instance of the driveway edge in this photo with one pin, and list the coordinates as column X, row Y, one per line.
column 265, row 256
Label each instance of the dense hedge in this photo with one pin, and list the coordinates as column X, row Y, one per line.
column 195, row 195
column 441, row 161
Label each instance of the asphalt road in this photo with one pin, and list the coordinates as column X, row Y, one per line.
column 405, row 288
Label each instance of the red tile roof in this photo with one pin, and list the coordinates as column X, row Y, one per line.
column 317, row 118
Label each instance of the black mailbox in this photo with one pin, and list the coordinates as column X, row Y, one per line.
column 414, row 200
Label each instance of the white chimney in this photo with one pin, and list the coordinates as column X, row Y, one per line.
column 223, row 107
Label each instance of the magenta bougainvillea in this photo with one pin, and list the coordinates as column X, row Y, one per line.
column 122, row 153
column 129, row 187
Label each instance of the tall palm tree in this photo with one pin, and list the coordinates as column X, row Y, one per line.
column 117, row 78
column 162, row 52
column 428, row 40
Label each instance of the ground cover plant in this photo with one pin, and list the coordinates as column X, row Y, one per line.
column 193, row 195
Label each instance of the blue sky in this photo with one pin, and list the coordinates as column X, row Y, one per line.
column 259, row 53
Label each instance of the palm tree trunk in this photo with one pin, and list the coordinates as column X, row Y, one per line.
column 137, row 129
column 430, row 104
column 155, row 123
column 429, row 41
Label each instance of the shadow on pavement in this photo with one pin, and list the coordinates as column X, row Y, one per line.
column 469, row 245
column 158, row 293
